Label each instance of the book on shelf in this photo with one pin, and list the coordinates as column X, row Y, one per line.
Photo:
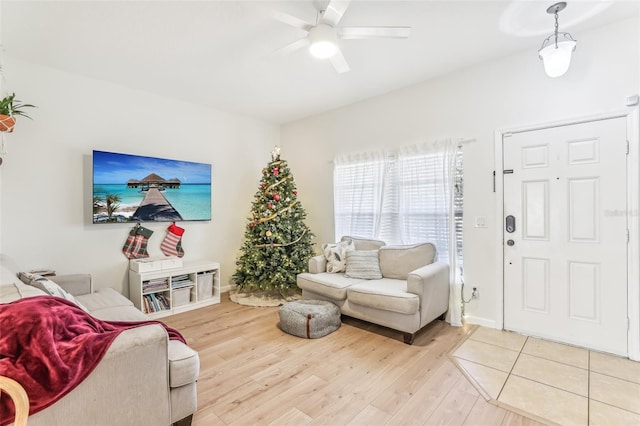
column 155, row 302
column 155, row 284
column 181, row 281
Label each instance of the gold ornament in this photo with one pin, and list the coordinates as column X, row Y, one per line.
column 268, row 233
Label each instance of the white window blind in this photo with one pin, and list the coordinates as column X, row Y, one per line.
column 358, row 185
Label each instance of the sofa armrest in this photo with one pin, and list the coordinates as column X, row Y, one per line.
column 76, row 284
column 431, row 284
column 130, row 385
column 318, row 264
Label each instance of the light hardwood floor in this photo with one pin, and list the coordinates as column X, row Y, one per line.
column 252, row 373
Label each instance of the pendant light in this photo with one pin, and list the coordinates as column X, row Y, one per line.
column 556, row 49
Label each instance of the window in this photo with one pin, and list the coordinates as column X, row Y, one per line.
column 404, row 198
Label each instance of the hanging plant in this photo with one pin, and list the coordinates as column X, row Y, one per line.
column 10, row 107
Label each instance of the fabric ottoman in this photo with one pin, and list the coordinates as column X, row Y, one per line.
column 309, row 318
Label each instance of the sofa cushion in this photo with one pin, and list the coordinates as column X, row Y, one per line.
column 18, row 290
column 325, row 284
column 184, row 364
column 365, row 243
column 385, row 294
column 363, row 264
column 398, row 261
column 107, row 304
column 336, row 254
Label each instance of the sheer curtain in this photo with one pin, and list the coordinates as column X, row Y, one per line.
column 427, row 185
column 358, row 182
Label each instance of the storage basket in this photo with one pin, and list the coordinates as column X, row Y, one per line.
column 205, row 285
column 182, row 296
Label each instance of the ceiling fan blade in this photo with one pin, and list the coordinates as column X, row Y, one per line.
column 334, row 11
column 291, row 20
column 373, row 32
column 339, row 62
column 290, row 48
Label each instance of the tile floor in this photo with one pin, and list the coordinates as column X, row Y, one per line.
column 551, row 382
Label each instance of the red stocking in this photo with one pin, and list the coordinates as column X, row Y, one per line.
column 172, row 243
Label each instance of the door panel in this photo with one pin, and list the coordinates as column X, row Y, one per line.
column 565, row 274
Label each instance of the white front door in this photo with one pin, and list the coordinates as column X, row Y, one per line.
column 565, row 261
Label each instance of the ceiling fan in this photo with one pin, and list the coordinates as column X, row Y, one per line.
column 322, row 38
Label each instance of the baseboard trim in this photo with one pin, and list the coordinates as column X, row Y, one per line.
column 470, row 319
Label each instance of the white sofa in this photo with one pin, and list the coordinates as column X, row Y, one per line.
column 413, row 290
column 143, row 379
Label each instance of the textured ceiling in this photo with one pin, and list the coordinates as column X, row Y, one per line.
column 219, row 53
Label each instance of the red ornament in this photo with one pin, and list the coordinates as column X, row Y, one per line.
column 251, row 225
column 276, row 171
column 263, row 185
column 276, row 197
column 269, row 206
column 295, row 192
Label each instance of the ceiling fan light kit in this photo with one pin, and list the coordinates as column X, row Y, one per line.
column 323, row 41
column 556, row 49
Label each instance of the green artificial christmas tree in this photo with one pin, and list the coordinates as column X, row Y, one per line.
column 277, row 243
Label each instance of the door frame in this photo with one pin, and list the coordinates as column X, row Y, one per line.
column 632, row 116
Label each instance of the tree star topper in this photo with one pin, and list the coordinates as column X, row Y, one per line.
column 275, row 154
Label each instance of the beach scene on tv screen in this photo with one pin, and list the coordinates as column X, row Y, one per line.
column 133, row 188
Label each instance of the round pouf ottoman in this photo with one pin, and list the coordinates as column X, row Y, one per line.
column 309, row 318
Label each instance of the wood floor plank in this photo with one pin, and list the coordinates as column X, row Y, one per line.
column 251, row 372
column 456, row 404
column 422, row 404
column 484, row 413
column 293, row 417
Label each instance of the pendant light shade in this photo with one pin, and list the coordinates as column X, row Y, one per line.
column 557, row 57
column 556, row 49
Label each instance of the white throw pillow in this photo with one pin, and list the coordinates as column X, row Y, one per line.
column 49, row 287
column 336, row 255
column 363, row 264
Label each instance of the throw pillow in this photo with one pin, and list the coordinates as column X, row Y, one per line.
column 336, row 255
column 363, row 264
column 49, row 287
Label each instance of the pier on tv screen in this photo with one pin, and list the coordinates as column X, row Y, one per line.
column 134, row 188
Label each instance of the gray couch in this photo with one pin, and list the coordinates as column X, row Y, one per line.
column 412, row 292
column 144, row 378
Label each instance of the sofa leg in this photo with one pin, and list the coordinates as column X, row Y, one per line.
column 184, row 422
column 409, row 337
column 442, row 317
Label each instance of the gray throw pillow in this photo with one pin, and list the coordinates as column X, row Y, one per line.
column 363, row 264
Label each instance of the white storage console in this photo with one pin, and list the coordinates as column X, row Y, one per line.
column 176, row 288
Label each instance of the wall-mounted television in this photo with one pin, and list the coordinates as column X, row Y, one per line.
column 134, row 188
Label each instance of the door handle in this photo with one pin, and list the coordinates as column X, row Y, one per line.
column 511, row 224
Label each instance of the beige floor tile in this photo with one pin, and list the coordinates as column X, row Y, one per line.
column 558, row 352
column 489, row 379
column 553, row 373
column 617, row 392
column 545, row 401
column 606, row 415
column 487, row 355
column 615, row 366
column 505, row 339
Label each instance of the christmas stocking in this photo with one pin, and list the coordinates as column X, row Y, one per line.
column 136, row 245
column 172, row 243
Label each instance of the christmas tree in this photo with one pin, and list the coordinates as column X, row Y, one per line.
column 277, row 243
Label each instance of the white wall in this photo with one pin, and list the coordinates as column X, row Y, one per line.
column 471, row 103
column 45, row 180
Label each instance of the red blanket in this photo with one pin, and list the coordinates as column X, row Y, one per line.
column 49, row 345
